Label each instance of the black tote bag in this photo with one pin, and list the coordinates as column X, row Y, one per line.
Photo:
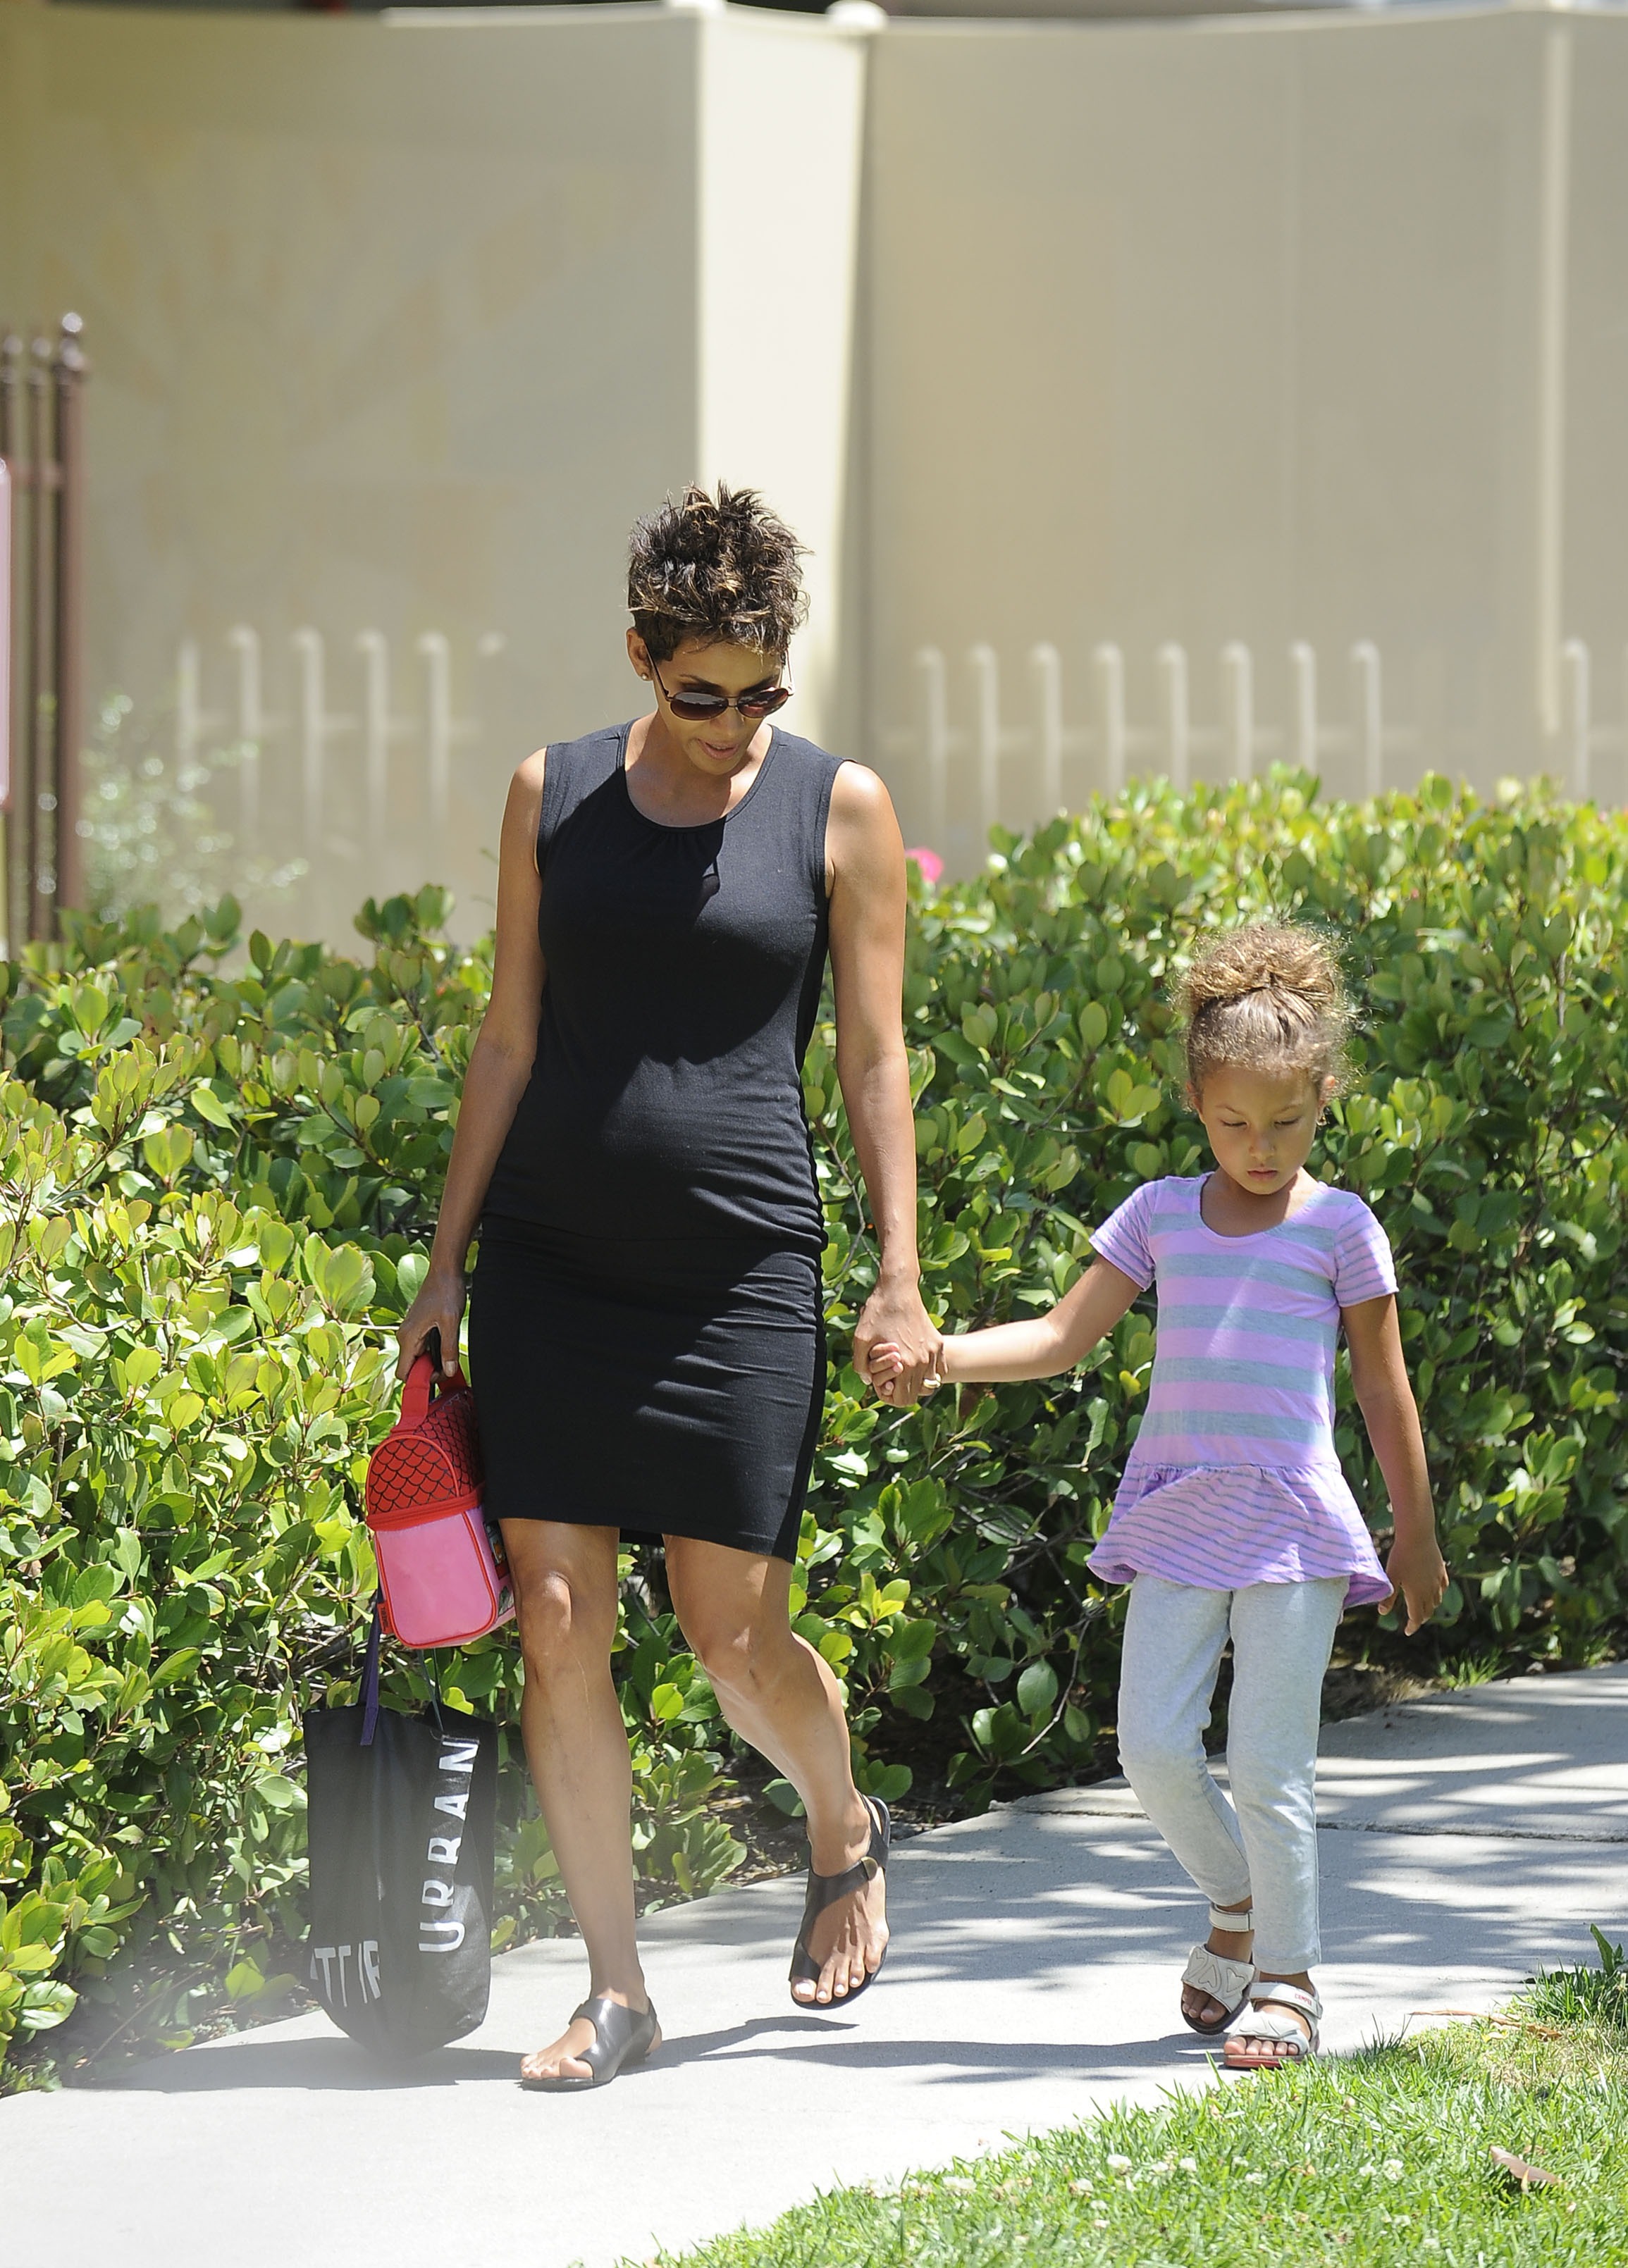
column 402, row 1820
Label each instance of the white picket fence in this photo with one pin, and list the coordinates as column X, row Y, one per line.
column 1379, row 751
column 357, row 754
column 335, row 784
column 1581, row 733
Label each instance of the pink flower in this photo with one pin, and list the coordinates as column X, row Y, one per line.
column 931, row 864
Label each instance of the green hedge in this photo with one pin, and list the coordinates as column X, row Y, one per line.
column 214, row 1192
column 218, row 1175
column 1485, row 1122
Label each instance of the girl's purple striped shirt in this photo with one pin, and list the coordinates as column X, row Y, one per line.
column 1235, row 1478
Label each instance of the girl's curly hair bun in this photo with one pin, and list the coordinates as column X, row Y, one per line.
column 1268, row 997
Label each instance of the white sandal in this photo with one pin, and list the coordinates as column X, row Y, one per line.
column 1280, row 2038
column 1221, row 1980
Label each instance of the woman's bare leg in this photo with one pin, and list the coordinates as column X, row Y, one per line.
column 565, row 1603
column 780, row 1695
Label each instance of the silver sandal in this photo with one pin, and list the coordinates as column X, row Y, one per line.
column 621, row 2038
column 1219, row 1978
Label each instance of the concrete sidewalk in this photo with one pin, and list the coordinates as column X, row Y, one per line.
column 1034, row 1977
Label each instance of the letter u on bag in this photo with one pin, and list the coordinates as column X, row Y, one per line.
column 410, row 1904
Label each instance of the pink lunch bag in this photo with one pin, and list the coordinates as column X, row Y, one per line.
column 442, row 1581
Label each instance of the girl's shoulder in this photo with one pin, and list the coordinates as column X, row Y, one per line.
column 1126, row 1239
column 1173, row 1197
column 1166, row 1206
column 1169, row 1196
column 1357, row 1250
column 1349, row 1241
column 1172, row 1188
column 1334, row 1206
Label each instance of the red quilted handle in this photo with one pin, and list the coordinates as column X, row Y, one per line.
column 424, row 1384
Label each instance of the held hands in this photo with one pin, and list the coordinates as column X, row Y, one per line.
column 1417, row 1572
column 438, row 1307
column 887, row 1370
column 896, row 1326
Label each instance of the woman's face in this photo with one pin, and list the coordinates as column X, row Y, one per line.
column 717, row 744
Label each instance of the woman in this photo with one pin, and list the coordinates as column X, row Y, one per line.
column 645, row 1340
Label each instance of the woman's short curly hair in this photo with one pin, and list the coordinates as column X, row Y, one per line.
column 723, row 569
column 1267, row 996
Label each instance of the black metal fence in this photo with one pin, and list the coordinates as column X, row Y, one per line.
column 41, row 443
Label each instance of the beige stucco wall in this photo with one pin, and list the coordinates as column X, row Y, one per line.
column 398, row 325
column 1305, row 329
column 781, row 141
column 1296, row 328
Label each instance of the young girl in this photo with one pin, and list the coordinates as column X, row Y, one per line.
column 1233, row 1520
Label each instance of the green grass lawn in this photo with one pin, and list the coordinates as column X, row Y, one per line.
column 1383, row 2157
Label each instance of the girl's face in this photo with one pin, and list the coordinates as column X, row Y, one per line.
column 1261, row 1125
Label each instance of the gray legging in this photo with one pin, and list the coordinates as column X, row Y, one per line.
column 1264, row 1842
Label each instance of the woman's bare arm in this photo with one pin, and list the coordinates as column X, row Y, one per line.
column 865, row 857
column 500, row 1064
column 1379, row 1372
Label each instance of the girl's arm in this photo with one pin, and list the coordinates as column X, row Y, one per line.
column 500, row 1063
column 1379, row 1375
column 865, row 860
column 1039, row 1348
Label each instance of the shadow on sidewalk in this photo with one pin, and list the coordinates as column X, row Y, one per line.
column 338, row 2066
column 945, row 2060
column 1025, row 1905
column 334, row 2065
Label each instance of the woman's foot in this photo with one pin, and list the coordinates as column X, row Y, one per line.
column 848, row 1940
column 1200, row 2008
column 560, row 2062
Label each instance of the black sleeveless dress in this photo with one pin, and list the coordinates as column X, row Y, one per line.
column 646, row 1338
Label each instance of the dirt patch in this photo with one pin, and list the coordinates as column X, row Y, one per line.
column 1360, row 1688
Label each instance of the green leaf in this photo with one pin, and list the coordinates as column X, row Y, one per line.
column 46, row 2004
column 168, row 1150
column 90, row 1009
column 245, row 1980
column 176, row 1668
column 911, row 1640
column 141, row 1366
column 410, row 1270
column 209, row 1105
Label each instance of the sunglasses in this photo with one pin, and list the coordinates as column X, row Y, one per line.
column 694, row 708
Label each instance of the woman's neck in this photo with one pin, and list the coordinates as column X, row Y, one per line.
column 667, row 787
